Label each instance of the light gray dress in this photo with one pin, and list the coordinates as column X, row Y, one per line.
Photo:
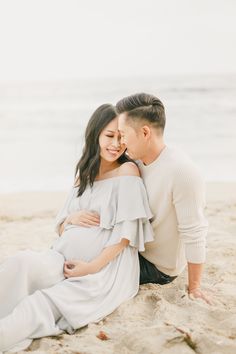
column 68, row 304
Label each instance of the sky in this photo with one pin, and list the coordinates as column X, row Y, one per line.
column 69, row 39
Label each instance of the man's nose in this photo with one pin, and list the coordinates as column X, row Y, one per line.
column 122, row 140
column 116, row 142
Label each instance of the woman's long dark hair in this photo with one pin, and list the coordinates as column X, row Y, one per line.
column 89, row 163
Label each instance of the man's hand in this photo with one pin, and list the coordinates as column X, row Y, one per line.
column 75, row 268
column 199, row 294
column 194, row 280
column 84, row 218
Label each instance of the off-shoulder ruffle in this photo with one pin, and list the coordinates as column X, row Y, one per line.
column 138, row 232
column 126, row 199
column 126, row 211
column 123, row 208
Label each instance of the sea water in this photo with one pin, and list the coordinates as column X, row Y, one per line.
column 42, row 125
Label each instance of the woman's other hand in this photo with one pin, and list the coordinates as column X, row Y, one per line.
column 75, row 268
column 84, row 218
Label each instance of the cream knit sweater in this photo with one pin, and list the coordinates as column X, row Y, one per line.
column 176, row 194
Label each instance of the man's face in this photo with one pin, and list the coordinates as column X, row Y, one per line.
column 132, row 137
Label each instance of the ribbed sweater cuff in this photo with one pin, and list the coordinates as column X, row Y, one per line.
column 195, row 253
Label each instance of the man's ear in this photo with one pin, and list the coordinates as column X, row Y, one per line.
column 146, row 131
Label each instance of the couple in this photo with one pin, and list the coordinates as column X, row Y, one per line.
column 110, row 239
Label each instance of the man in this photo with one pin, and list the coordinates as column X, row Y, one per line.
column 176, row 195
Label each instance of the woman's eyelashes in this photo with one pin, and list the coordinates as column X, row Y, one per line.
column 113, row 137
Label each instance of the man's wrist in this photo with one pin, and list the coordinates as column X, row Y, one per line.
column 194, row 276
column 193, row 289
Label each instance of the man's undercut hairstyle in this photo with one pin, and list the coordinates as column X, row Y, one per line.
column 143, row 106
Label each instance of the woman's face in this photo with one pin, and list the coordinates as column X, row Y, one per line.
column 110, row 142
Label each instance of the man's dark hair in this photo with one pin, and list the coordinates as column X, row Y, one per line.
column 143, row 106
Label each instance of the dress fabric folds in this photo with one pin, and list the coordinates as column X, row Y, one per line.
column 35, row 298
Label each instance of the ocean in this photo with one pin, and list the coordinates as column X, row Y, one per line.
column 42, row 125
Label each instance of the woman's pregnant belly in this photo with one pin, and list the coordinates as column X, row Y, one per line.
column 81, row 243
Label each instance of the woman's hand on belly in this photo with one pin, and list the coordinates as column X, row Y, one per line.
column 75, row 268
column 84, row 218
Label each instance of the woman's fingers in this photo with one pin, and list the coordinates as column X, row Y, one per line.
column 91, row 217
column 68, row 271
column 91, row 222
column 86, row 221
column 69, row 266
column 83, row 224
column 92, row 214
column 84, row 218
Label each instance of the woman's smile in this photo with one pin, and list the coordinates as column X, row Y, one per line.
column 113, row 152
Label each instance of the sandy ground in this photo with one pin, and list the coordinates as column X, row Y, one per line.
column 160, row 319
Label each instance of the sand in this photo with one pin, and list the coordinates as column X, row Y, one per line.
column 160, row 319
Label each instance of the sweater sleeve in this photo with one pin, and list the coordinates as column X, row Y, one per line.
column 189, row 202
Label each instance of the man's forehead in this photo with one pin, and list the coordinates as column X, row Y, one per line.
column 127, row 124
column 122, row 121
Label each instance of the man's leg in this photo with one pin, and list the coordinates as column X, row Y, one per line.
column 150, row 274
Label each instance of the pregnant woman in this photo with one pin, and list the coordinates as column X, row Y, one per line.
column 89, row 271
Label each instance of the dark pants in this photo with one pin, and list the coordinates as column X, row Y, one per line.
column 150, row 274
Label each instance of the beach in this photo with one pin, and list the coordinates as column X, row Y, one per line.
column 61, row 64
column 160, row 319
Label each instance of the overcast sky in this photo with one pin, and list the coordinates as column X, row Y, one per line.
column 55, row 39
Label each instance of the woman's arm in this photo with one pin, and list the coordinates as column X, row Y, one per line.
column 75, row 268
column 107, row 255
column 82, row 218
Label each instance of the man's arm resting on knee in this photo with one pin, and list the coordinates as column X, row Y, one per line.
column 189, row 202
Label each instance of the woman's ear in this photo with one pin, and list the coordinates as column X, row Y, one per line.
column 146, row 131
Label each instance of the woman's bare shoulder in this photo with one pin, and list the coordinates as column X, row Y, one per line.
column 128, row 169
